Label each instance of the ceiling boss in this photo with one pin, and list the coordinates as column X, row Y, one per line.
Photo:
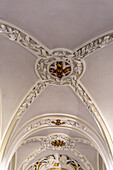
column 59, row 68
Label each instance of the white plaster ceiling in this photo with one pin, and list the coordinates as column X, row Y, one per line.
column 17, row 77
column 64, row 23
column 56, row 24
column 98, row 79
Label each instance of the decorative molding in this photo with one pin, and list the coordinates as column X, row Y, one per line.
column 58, row 143
column 89, row 103
column 91, row 106
column 24, row 39
column 35, row 91
column 56, row 122
column 44, row 122
column 29, row 99
column 70, row 144
column 57, row 162
column 86, row 99
column 60, row 69
column 64, row 139
column 27, row 41
column 77, row 68
column 93, row 45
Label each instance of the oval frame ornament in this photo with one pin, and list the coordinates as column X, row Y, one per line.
column 59, row 70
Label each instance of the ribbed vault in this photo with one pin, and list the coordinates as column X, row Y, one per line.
column 56, row 104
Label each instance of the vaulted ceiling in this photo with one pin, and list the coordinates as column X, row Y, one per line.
column 56, row 85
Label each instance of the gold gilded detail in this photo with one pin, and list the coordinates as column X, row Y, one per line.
column 60, row 69
column 58, row 143
column 58, row 122
column 75, row 166
column 56, row 164
column 56, row 169
column 38, row 165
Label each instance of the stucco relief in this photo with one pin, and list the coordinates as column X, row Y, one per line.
column 55, row 122
column 60, row 68
column 57, row 67
column 57, row 162
column 70, row 144
column 22, row 38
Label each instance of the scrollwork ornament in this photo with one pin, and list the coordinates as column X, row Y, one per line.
column 22, row 38
column 58, row 67
column 36, row 90
column 56, row 122
column 93, row 46
column 59, row 162
column 70, row 144
column 88, row 102
column 59, row 70
column 65, row 139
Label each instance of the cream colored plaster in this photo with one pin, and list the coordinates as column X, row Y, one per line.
column 58, row 25
column 63, row 28
column 98, row 79
column 58, row 99
column 16, row 77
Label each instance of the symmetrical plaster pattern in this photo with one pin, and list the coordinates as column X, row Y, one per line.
column 70, row 144
column 53, row 122
column 59, row 69
column 58, row 162
column 66, row 140
column 46, row 58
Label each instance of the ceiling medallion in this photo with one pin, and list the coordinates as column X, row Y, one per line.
column 59, row 68
column 57, row 162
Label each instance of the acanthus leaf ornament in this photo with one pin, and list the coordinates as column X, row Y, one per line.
column 56, row 122
column 39, row 87
column 59, row 70
column 93, row 46
column 22, row 38
column 75, row 70
column 46, row 144
column 57, row 162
